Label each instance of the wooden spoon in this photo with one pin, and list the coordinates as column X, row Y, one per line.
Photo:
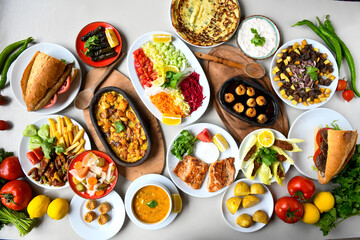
column 253, row 69
column 83, row 99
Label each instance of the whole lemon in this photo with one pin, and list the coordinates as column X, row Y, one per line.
column 324, row 201
column 58, row 208
column 38, row 206
column 311, row 213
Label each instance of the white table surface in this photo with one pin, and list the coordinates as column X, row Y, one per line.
column 60, row 21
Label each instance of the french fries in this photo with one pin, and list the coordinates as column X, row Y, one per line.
column 67, row 135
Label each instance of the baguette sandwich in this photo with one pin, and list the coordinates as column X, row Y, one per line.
column 333, row 150
column 43, row 79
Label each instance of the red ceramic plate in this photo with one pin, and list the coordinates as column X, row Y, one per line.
column 79, row 45
column 80, row 158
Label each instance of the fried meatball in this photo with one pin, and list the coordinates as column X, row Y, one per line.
column 91, row 204
column 251, row 102
column 250, row 112
column 229, row 97
column 103, row 218
column 262, row 118
column 104, row 207
column 89, row 216
column 240, row 90
column 250, row 91
column 239, row 107
column 260, row 100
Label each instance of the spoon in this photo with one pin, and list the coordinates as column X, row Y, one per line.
column 83, row 99
column 253, row 69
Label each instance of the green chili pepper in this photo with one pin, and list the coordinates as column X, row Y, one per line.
column 9, row 49
column 333, row 40
column 316, row 30
column 346, row 52
column 12, row 59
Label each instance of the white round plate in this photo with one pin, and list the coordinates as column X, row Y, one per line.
column 55, row 51
column 243, row 144
column 23, row 149
column 172, row 161
column 94, row 230
column 304, row 128
column 322, row 49
column 266, row 204
column 142, row 181
column 192, row 61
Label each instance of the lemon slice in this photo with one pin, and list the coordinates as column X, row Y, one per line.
column 168, row 68
column 111, row 37
column 170, row 119
column 266, row 138
column 158, row 82
column 220, row 142
column 177, row 203
column 162, row 38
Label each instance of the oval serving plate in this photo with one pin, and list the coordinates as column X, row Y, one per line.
column 192, row 61
column 79, row 45
column 102, row 136
column 271, row 108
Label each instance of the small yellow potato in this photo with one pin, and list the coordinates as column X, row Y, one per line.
column 241, row 189
column 244, row 220
column 250, row 201
column 261, row 217
column 257, row 188
column 233, row 204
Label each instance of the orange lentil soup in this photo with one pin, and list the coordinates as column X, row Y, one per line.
column 151, row 204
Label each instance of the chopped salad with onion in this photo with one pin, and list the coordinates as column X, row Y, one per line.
column 93, row 174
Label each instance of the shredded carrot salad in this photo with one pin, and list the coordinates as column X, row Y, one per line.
column 165, row 103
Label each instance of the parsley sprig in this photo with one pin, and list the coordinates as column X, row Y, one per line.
column 257, row 39
column 313, row 72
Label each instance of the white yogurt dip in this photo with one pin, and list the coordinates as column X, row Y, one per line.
column 264, row 29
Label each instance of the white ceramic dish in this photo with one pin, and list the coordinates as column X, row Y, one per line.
column 55, row 51
column 23, row 150
column 322, row 49
column 273, row 25
column 172, row 161
column 304, row 128
column 242, row 147
column 141, row 182
column 192, row 61
column 94, row 230
column 175, row 30
column 266, row 204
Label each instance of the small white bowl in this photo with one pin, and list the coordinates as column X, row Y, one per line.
column 170, row 200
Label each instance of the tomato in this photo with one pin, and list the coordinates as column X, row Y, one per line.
column 32, row 157
column 204, row 136
column 10, row 168
column 289, row 209
column 51, row 102
column 65, row 86
column 319, row 137
column 2, row 100
column 301, row 188
column 16, row 194
column 348, row 95
column 342, row 85
column 144, row 68
column 39, row 153
column 317, row 153
column 3, row 125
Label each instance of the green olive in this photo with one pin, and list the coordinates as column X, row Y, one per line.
column 80, row 187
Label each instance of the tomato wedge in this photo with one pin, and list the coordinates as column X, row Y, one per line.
column 51, row 102
column 65, row 86
column 317, row 153
column 319, row 137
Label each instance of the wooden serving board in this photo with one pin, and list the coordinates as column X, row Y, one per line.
column 156, row 161
column 218, row 73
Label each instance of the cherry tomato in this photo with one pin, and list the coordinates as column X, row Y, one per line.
column 301, row 188
column 51, row 102
column 4, row 125
column 289, row 209
column 348, row 95
column 342, row 85
column 16, row 194
column 10, row 168
column 65, row 86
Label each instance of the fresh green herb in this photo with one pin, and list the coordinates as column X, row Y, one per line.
column 171, row 79
column 266, row 155
column 334, row 125
column 183, row 144
column 346, row 194
column 257, row 40
column 19, row 219
column 313, row 72
column 30, row 130
column 119, row 126
column 59, row 149
column 63, row 60
column 152, row 204
column 92, row 41
column 4, row 154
